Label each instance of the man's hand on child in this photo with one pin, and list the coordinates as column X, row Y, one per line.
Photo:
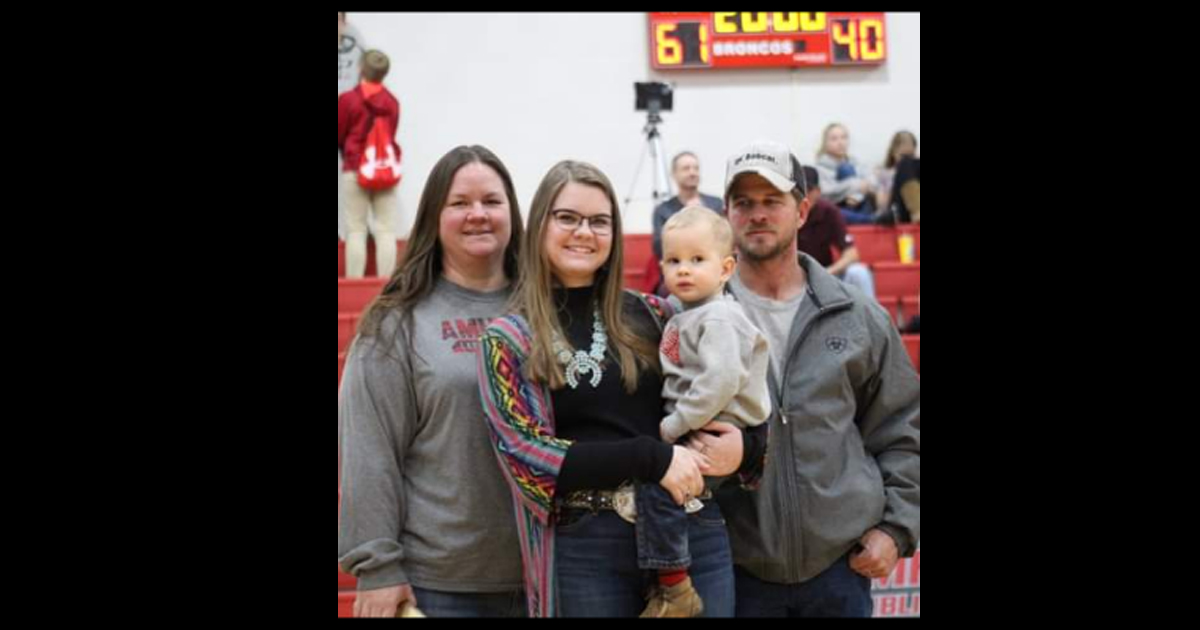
column 721, row 444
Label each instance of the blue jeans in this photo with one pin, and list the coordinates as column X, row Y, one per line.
column 472, row 605
column 859, row 275
column 857, row 217
column 598, row 575
column 662, row 530
column 838, row 592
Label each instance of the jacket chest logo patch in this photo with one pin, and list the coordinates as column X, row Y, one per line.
column 836, row 345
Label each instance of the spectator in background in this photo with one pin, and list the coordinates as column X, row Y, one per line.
column 844, row 180
column 825, row 233
column 907, row 206
column 685, row 169
column 904, row 143
column 358, row 110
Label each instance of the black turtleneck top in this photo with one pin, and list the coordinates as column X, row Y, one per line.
column 616, row 433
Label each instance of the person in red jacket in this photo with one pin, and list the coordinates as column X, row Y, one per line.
column 358, row 110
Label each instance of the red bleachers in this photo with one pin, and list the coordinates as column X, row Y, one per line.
column 346, row 604
column 638, row 252
column 892, row 305
column 880, row 244
column 355, row 295
column 346, row 582
column 912, row 343
column 346, row 325
column 637, row 255
column 897, row 285
column 875, row 244
column 370, row 272
column 897, row 279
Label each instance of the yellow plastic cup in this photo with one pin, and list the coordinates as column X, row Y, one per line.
column 908, row 246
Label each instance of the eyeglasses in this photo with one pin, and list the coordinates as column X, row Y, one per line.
column 569, row 220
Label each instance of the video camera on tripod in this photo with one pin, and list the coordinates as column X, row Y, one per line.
column 654, row 98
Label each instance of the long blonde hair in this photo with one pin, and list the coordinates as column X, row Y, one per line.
column 825, row 137
column 533, row 296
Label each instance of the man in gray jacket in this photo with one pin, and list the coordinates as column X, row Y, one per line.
column 840, row 501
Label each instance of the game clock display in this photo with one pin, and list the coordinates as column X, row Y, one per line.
column 698, row 41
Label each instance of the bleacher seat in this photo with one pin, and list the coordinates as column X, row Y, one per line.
column 897, row 279
column 910, row 307
column 346, row 582
column 370, row 271
column 875, row 244
column 355, row 295
column 881, row 244
column 346, row 326
column 912, row 343
column 638, row 251
column 891, row 303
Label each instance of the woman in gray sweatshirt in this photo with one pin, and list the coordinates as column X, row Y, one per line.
column 424, row 515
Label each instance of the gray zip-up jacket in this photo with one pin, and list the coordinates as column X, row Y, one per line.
column 715, row 365
column 845, row 441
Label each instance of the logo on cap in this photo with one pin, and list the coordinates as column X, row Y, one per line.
column 755, row 156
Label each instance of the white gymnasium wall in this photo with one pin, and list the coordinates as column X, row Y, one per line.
column 537, row 88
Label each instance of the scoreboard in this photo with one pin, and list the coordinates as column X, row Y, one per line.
column 697, row 41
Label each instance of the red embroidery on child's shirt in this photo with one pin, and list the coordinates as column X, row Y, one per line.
column 670, row 345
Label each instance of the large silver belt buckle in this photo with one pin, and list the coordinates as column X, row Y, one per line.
column 625, row 503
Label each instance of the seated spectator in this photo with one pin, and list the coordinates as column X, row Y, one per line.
column 904, row 143
column 906, row 206
column 824, row 233
column 845, row 181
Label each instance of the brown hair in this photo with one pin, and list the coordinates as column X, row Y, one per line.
column 890, row 161
column 534, row 296
column 375, row 66
column 421, row 267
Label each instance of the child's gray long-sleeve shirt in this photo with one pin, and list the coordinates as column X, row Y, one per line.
column 715, row 364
